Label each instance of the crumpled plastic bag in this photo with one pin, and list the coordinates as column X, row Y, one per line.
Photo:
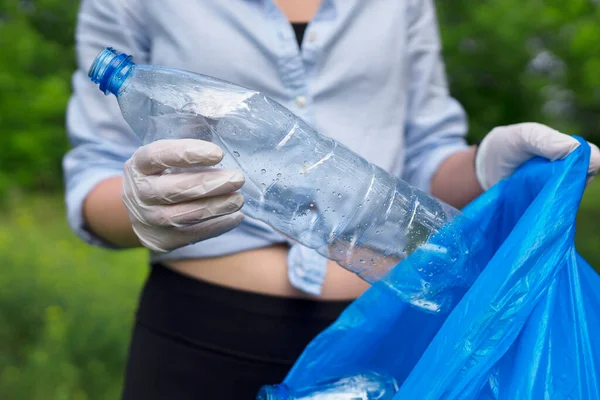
column 528, row 328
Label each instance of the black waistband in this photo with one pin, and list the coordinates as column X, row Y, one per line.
column 232, row 321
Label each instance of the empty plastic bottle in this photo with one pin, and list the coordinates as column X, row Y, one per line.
column 368, row 386
column 303, row 184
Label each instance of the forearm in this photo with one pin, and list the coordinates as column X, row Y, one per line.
column 106, row 215
column 455, row 182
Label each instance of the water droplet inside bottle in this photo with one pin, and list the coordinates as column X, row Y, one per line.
column 235, row 153
column 339, row 195
column 311, row 205
column 141, row 118
column 318, row 190
column 263, row 184
column 279, row 175
column 263, row 171
column 361, row 261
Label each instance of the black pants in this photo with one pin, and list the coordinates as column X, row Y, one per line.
column 195, row 340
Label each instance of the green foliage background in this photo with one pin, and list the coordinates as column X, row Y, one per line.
column 66, row 308
column 36, row 62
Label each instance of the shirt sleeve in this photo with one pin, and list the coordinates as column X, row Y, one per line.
column 101, row 139
column 436, row 123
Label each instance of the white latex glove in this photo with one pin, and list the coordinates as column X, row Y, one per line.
column 173, row 209
column 506, row 148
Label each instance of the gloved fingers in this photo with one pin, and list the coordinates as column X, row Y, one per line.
column 171, row 210
column 193, row 212
column 546, row 142
column 175, row 153
column 187, row 186
column 594, row 159
column 163, row 239
column 505, row 148
column 543, row 141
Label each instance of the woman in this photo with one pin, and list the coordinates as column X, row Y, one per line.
column 228, row 305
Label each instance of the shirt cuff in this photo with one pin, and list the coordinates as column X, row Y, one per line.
column 423, row 177
column 74, row 202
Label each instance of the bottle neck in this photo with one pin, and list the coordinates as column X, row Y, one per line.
column 110, row 70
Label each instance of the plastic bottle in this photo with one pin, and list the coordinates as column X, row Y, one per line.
column 369, row 386
column 303, row 184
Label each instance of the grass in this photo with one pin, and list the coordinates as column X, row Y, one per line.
column 588, row 235
column 66, row 308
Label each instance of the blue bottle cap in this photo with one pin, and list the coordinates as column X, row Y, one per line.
column 110, row 69
column 273, row 392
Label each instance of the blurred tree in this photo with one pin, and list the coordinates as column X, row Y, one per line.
column 36, row 62
column 511, row 61
column 508, row 61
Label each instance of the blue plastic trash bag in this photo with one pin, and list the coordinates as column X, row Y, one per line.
column 528, row 328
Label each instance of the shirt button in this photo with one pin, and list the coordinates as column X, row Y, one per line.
column 312, row 36
column 301, row 101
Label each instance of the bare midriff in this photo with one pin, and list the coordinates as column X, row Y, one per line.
column 264, row 271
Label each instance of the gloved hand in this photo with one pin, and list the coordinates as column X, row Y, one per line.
column 172, row 209
column 506, row 148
